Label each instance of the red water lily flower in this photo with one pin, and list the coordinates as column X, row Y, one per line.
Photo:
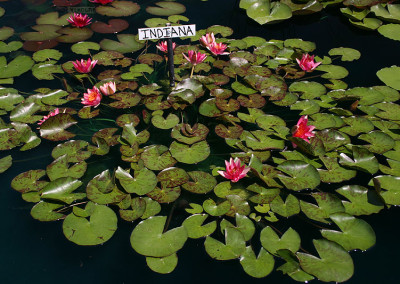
column 92, row 97
column 307, row 63
column 79, row 20
column 207, row 39
column 84, row 66
column 218, row 48
column 302, row 130
column 102, row 2
column 108, row 88
column 234, row 171
column 46, row 117
column 195, row 57
column 163, row 46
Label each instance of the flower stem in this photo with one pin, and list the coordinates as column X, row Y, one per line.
column 191, row 72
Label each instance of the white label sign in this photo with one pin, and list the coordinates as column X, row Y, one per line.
column 167, row 32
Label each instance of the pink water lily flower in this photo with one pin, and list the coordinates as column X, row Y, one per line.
column 207, row 39
column 302, row 130
column 195, row 57
column 102, row 2
column 84, row 66
column 218, row 48
column 234, row 171
column 46, row 117
column 79, row 20
column 163, row 46
column 307, row 63
column 108, row 88
column 92, row 97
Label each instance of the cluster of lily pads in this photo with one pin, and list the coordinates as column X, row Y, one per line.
column 169, row 144
column 383, row 16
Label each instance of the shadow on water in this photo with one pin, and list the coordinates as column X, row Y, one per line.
column 37, row 252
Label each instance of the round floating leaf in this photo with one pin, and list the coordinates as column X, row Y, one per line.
column 166, row 9
column 348, row 54
column 209, row 108
column 333, row 71
column 149, row 239
column 2, row 11
column 138, row 206
column 308, row 90
column 54, row 127
column 102, row 190
column 45, row 211
column 259, row 266
column 263, row 11
column 243, row 224
column 234, row 245
column 390, row 186
column 202, row 182
column 71, row 35
column 390, row 76
column 60, row 168
column 74, row 149
column 118, row 9
column 190, row 154
column 126, row 43
column 327, row 204
column 43, row 32
column 334, row 264
column 84, row 47
column 29, row 181
column 172, row 177
column 362, row 160
column 189, row 135
column 62, row 189
column 306, row 46
column 52, row 18
column 233, row 132
column 156, row 22
column 152, row 208
column 286, row 209
column 127, row 118
column 302, row 175
column 43, row 71
column 39, row 45
column 195, row 228
column 214, row 209
column 290, row 240
column 222, row 30
column 143, row 181
column 157, row 157
column 169, row 122
column 16, row 67
column 6, row 32
column 361, row 201
column 165, row 194
column 355, row 233
column 5, row 163
column 113, row 26
column 45, row 54
column 11, row 46
column 391, row 31
column 98, row 229
column 379, row 142
column 163, row 265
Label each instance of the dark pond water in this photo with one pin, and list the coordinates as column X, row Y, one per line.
column 36, row 252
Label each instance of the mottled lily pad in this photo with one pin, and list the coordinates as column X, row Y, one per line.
column 166, row 9
column 118, row 9
column 62, row 190
column 141, row 183
column 157, row 157
column 54, row 128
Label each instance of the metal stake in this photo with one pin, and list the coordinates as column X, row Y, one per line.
column 170, row 61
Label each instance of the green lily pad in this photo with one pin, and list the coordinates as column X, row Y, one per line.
column 118, row 9
column 166, row 9
column 209, row 108
column 165, row 123
column 390, row 31
column 379, row 141
column 271, row 242
column 201, row 183
column 62, row 189
column 16, row 67
column 60, row 168
column 29, row 181
column 52, row 18
column 355, row 233
column 45, row 54
column 5, row 163
column 195, row 228
column 388, row 187
column 172, row 177
column 215, row 209
column 188, row 134
column 9, row 47
column 190, row 154
column 327, row 205
column 84, row 47
column 301, row 175
column 72, row 34
column 46, row 211
column 152, row 208
column 362, row 160
column 157, row 157
column 357, row 124
column 390, row 76
column 141, row 183
column 288, row 208
column 263, row 11
column 126, row 43
column 292, row 267
column 54, row 128
column 42, row 33
column 367, row 23
column 308, row 90
column 149, row 239
column 6, row 32
column 44, row 71
column 98, row 229
column 348, row 54
column 333, row 71
column 389, row 111
column 138, row 206
column 243, row 224
column 102, row 190
column 75, row 149
column 165, row 194
column 306, row 46
column 163, row 265
column 259, row 266
column 334, row 173
column 234, row 245
column 333, row 264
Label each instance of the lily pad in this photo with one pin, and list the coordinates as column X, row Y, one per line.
column 348, row 54
column 113, row 26
column 190, row 154
column 234, row 245
column 195, row 228
column 166, row 9
column 46, row 211
column 5, row 163
column 163, row 265
column 259, row 266
column 118, row 9
column 301, row 175
column 54, row 128
column 84, row 47
column 16, row 67
column 126, row 43
column 61, row 190
column 390, row 76
column 98, row 229
column 290, row 240
column 72, row 35
column 102, row 190
column 149, row 238
column 390, row 31
column 141, row 183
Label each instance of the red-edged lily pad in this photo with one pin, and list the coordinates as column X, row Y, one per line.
column 113, row 26
column 66, row 3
